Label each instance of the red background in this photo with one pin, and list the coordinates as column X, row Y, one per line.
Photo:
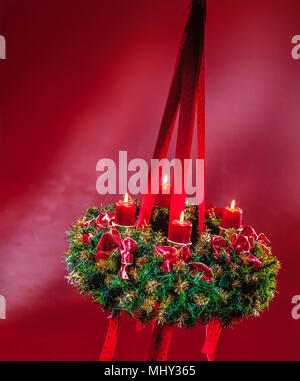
column 85, row 79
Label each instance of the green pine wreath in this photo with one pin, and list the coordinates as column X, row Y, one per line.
column 242, row 282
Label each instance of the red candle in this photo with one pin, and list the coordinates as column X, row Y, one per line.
column 180, row 230
column 163, row 199
column 231, row 217
column 125, row 212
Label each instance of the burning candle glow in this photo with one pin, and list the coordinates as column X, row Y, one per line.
column 165, row 182
column 125, row 212
column 163, row 199
column 231, row 217
column 180, row 230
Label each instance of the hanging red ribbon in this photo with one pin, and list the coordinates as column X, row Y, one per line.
column 186, row 88
column 110, row 343
column 183, row 91
column 213, row 332
column 160, row 343
column 164, row 137
column 201, row 146
column 192, row 59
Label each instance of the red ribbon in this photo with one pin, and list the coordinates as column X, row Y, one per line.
column 241, row 243
column 160, row 343
column 171, row 256
column 193, row 60
column 103, row 220
column 164, row 137
column 253, row 237
column 198, row 267
column 219, row 247
column 201, row 143
column 87, row 237
column 183, row 90
column 110, row 342
column 109, row 243
column 254, row 261
column 218, row 243
column 128, row 247
column 213, row 332
column 139, row 326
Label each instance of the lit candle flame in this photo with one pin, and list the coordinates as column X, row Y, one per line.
column 232, row 204
column 126, row 197
column 165, row 180
column 182, row 217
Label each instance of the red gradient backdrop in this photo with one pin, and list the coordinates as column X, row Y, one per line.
column 85, row 79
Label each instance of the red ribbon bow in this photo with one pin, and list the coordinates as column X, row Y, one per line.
column 128, row 247
column 218, row 243
column 184, row 253
column 253, row 237
column 171, row 256
column 240, row 243
column 249, row 232
column 255, row 261
column 246, row 240
column 199, row 267
column 103, row 220
column 87, row 237
column 109, row 243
